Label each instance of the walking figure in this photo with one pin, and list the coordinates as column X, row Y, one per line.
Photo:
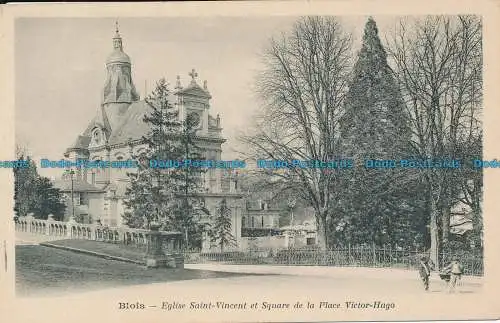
column 425, row 271
column 455, row 270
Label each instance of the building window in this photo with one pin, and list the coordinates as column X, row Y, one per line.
column 262, row 221
column 310, row 241
column 93, row 178
column 243, row 222
column 82, row 199
column 76, row 197
column 253, row 222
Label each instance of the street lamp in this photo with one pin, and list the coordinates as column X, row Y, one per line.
column 72, row 172
column 291, row 205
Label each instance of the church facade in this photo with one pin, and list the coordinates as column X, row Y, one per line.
column 115, row 134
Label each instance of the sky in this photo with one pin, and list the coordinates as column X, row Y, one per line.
column 60, row 68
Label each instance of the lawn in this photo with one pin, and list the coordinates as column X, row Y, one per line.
column 112, row 249
column 46, row 271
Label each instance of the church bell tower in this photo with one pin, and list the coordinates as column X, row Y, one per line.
column 119, row 90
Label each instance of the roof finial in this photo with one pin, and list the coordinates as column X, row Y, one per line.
column 193, row 75
column 117, row 40
column 178, row 83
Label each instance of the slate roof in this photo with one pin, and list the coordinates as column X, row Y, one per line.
column 118, row 56
column 78, row 186
column 100, row 120
column 133, row 127
column 81, row 142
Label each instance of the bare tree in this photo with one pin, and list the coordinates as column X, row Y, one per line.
column 302, row 89
column 438, row 61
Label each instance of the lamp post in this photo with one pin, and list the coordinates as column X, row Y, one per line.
column 236, row 220
column 291, row 205
column 72, row 172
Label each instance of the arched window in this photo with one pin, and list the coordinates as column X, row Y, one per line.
column 96, row 136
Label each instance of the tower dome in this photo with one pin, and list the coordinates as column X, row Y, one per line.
column 118, row 55
column 119, row 87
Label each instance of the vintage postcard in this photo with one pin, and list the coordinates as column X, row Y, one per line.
column 291, row 161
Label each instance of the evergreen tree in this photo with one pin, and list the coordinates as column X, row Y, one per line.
column 49, row 200
column 221, row 232
column 166, row 195
column 374, row 126
column 185, row 214
column 36, row 194
column 25, row 180
column 151, row 193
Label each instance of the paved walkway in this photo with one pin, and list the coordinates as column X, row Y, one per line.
column 410, row 301
column 283, row 284
column 325, row 271
column 23, row 238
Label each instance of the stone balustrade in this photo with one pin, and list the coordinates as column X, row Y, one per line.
column 167, row 242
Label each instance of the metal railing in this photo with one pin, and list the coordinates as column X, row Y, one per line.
column 347, row 257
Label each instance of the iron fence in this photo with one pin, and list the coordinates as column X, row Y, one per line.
column 348, row 257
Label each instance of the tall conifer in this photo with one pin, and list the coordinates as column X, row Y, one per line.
column 374, row 126
column 166, row 195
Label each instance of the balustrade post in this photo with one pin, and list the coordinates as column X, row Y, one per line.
column 29, row 221
column 50, row 220
column 69, row 226
column 92, row 235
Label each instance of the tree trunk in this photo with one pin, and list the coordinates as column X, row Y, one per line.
column 434, row 233
column 477, row 225
column 322, row 232
column 445, row 221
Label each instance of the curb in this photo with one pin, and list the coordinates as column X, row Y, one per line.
column 92, row 253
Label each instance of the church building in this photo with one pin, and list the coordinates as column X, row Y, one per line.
column 116, row 132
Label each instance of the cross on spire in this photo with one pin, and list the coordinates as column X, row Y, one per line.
column 178, row 83
column 193, row 75
column 117, row 40
column 117, row 31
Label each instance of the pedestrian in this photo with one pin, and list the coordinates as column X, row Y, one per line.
column 455, row 269
column 425, row 271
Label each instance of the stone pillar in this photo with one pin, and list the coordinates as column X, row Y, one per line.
column 177, row 255
column 154, row 255
column 107, row 170
column 237, row 223
column 50, row 219
column 69, row 227
column 205, row 243
column 29, row 221
column 218, row 180
column 93, row 232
